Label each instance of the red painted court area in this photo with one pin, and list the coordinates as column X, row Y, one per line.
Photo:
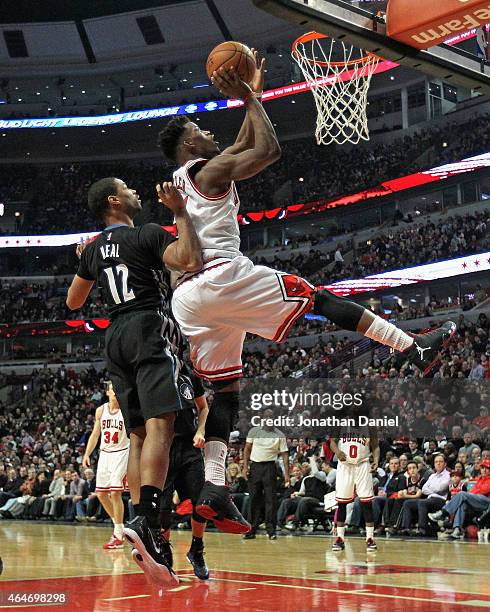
column 238, row 591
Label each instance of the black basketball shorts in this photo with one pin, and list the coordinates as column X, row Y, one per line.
column 143, row 369
column 185, row 473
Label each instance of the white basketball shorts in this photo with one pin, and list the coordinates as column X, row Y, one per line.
column 354, row 479
column 111, row 471
column 216, row 307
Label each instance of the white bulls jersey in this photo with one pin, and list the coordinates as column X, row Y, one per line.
column 112, row 431
column 214, row 217
column 230, row 296
column 356, row 449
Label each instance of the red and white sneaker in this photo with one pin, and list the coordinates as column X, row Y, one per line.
column 113, row 543
column 371, row 544
column 339, row 544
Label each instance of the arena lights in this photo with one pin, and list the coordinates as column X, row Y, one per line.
column 384, row 189
column 376, row 282
column 185, row 109
column 410, row 276
column 167, row 111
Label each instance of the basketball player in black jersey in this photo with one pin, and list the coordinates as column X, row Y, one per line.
column 186, row 471
column 143, row 341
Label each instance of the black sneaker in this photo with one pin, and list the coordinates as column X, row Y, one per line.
column 196, row 559
column 215, row 504
column 338, row 545
column 425, row 349
column 249, row 536
column 149, row 551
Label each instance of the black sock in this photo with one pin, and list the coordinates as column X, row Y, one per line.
column 149, row 505
column 342, row 312
column 136, row 508
column 197, row 543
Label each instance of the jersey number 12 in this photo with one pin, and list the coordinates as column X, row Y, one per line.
column 117, row 277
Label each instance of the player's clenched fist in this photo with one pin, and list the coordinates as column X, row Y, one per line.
column 341, row 456
column 79, row 249
column 169, row 195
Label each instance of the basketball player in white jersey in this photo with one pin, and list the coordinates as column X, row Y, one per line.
column 231, row 296
column 355, row 476
column 113, row 463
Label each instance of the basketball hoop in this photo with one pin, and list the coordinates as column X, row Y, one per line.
column 339, row 76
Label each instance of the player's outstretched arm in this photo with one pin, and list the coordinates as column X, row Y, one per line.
column 246, row 136
column 184, row 253
column 224, row 168
column 93, row 439
column 80, row 287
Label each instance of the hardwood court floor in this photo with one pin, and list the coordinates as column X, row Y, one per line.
column 291, row 573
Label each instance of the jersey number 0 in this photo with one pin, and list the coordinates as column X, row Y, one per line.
column 117, row 277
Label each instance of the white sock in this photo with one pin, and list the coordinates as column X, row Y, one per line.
column 118, row 530
column 369, row 533
column 341, row 532
column 387, row 333
column 214, row 462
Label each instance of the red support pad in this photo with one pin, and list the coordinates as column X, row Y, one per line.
column 427, row 23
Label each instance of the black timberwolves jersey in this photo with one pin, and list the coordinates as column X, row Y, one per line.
column 127, row 264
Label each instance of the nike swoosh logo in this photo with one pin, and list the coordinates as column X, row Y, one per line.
column 155, row 545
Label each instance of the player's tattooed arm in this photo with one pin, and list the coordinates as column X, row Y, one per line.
column 185, row 253
column 335, row 449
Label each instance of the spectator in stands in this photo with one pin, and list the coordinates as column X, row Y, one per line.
column 458, row 483
column 311, row 493
column 468, row 446
column 12, row 486
column 56, row 490
column 40, row 490
column 413, row 446
column 289, row 501
column 3, row 477
column 475, row 467
column 409, row 488
column 88, row 505
column 478, row 500
column 434, row 491
column 477, row 371
column 237, row 486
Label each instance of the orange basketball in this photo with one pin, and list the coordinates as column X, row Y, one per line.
column 234, row 54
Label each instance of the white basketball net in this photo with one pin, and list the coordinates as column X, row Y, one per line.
column 339, row 76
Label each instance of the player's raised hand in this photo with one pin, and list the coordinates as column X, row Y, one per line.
column 257, row 83
column 230, row 84
column 80, row 247
column 169, row 195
